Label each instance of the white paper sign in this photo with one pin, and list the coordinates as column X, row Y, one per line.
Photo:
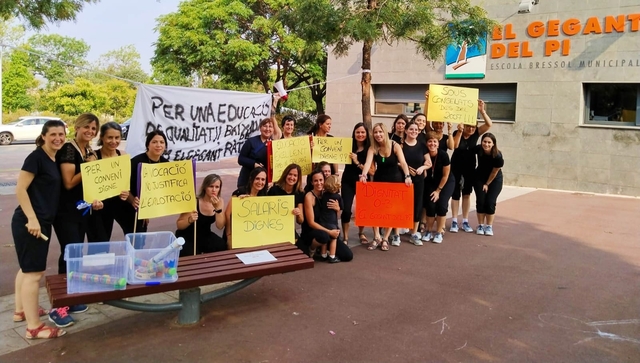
column 251, row 258
column 100, row 259
column 201, row 124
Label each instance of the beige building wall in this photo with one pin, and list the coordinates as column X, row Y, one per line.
column 549, row 145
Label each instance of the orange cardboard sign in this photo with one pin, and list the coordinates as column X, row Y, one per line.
column 384, row 205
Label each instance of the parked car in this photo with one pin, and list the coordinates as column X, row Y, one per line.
column 26, row 128
column 125, row 128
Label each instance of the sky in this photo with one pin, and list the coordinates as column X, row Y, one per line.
column 111, row 24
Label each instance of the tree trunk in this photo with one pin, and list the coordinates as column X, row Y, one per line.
column 317, row 94
column 366, row 83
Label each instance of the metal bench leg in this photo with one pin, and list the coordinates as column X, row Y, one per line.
column 190, row 312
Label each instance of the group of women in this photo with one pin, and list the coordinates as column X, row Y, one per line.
column 49, row 192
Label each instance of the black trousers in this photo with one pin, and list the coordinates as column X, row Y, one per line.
column 348, row 192
column 441, row 206
column 486, row 201
column 69, row 228
column 418, row 196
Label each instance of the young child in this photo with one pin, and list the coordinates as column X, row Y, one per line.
column 329, row 218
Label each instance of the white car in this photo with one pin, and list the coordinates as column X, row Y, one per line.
column 26, row 128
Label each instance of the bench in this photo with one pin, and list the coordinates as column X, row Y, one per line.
column 193, row 272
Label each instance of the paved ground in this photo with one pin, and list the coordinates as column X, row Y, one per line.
column 557, row 283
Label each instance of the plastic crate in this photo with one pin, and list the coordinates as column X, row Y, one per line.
column 96, row 266
column 152, row 261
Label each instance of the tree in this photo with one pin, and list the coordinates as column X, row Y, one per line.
column 430, row 24
column 237, row 41
column 124, row 63
column 37, row 12
column 75, row 98
column 120, row 97
column 10, row 34
column 54, row 46
column 17, row 82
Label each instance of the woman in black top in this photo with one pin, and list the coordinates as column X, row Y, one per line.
column 313, row 234
column 398, row 128
column 109, row 141
column 256, row 187
column 290, row 183
column 72, row 224
column 388, row 156
column 156, row 144
column 417, row 157
column 488, row 182
column 38, row 192
column 420, row 119
column 321, row 128
column 209, row 211
column 445, row 141
column 439, row 184
column 463, row 165
column 359, row 147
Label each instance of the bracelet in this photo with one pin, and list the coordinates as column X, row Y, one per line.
column 218, row 210
column 439, row 189
column 407, row 176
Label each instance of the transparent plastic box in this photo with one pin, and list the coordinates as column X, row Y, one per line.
column 152, row 261
column 96, row 266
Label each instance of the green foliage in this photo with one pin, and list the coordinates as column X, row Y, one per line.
column 17, row 80
column 124, row 63
column 10, row 34
column 55, row 46
column 241, row 42
column 75, row 98
column 36, row 13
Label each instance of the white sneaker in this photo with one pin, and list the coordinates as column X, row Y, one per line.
column 427, row 237
column 395, row 241
column 415, row 239
column 488, row 231
column 438, row 238
column 454, row 227
column 480, row 231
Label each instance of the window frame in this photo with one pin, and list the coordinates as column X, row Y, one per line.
column 611, row 124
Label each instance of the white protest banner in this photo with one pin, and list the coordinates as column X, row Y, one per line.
column 200, row 124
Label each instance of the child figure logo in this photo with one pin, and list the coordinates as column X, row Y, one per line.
column 466, row 58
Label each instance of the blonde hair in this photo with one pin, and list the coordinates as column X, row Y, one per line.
column 84, row 120
column 385, row 138
column 332, row 184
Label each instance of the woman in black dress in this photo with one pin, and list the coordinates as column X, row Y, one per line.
column 359, row 147
column 418, row 160
column 439, row 184
column 488, row 182
column 388, row 156
column 209, row 211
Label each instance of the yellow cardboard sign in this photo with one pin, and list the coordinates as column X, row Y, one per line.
column 295, row 150
column 260, row 221
column 105, row 178
column 453, row 104
column 334, row 150
column 166, row 189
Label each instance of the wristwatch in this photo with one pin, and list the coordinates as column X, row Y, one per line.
column 407, row 176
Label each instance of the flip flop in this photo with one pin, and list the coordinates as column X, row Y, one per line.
column 363, row 239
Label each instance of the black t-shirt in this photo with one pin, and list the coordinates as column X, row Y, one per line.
column 328, row 216
column 44, row 190
column 394, row 137
column 298, row 196
column 142, row 158
column 438, row 162
column 414, row 155
column 68, row 154
column 443, row 143
column 486, row 163
column 463, row 156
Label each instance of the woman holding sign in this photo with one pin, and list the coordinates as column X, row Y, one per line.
column 254, row 151
column 156, row 144
column 288, row 126
column 72, row 224
column 208, row 211
column 38, row 192
column 387, row 155
column 463, row 165
column 256, row 187
column 321, row 128
column 290, row 183
column 109, row 141
column 359, row 148
column 439, row 185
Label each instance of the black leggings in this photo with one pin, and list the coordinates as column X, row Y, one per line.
column 348, row 192
column 418, row 196
column 343, row 252
column 440, row 206
column 69, row 229
column 486, row 202
column 464, row 182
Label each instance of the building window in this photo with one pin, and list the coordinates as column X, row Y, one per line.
column 393, row 99
column 612, row 104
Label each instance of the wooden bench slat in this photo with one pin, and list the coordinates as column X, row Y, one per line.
column 193, row 271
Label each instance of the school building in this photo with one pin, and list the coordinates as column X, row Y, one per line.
column 561, row 81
